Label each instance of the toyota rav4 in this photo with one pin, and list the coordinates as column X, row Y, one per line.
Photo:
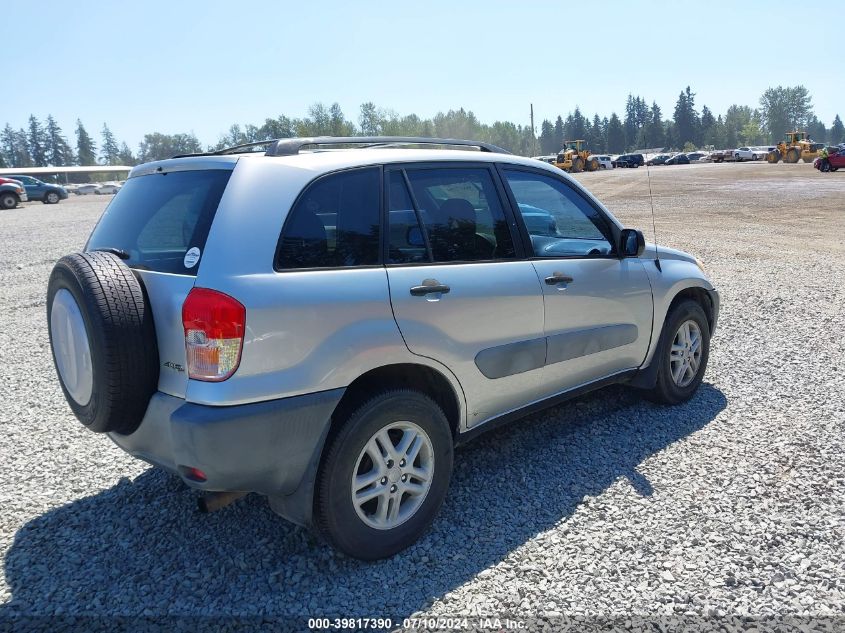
column 322, row 320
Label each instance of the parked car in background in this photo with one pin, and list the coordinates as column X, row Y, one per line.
column 697, row 157
column 84, row 190
column 750, row 153
column 12, row 193
column 107, row 188
column 678, row 159
column 38, row 190
column 629, row 160
column 835, row 160
column 605, row 162
column 658, row 159
column 551, row 158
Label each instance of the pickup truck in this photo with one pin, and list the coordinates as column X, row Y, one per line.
column 12, row 193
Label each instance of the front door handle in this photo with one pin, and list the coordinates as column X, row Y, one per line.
column 428, row 287
column 558, row 278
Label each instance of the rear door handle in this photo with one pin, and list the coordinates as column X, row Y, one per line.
column 558, row 278
column 428, row 287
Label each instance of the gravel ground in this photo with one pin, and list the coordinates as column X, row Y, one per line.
column 730, row 506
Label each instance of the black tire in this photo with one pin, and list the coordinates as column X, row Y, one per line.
column 665, row 390
column 8, row 200
column 753, row 156
column 336, row 517
column 121, row 338
column 51, row 197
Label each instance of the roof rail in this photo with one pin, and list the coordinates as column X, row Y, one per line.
column 292, row 146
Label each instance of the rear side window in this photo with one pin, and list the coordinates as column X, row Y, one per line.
column 461, row 214
column 334, row 223
column 162, row 220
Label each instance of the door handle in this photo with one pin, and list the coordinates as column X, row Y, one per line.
column 428, row 287
column 558, row 278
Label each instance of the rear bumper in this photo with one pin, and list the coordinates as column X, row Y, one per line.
column 266, row 447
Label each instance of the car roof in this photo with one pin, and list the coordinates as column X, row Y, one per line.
column 333, row 160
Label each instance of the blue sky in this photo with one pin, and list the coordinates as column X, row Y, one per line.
column 195, row 66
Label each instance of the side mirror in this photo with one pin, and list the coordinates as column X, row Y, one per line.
column 631, row 243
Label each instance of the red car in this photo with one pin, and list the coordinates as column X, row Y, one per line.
column 835, row 160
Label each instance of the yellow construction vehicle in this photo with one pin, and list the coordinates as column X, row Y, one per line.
column 795, row 146
column 575, row 157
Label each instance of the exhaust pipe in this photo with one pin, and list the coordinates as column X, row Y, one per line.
column 216, row 500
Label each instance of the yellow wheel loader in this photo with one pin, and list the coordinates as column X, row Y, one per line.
column 795, row 146
column 575, row 157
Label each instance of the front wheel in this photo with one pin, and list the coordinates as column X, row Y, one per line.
column 753, row 156
column 683, row 354
column 51, row 198
column 8, row 201
column 385, row 475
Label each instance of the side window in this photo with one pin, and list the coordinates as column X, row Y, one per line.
column 560, row 221
column 334, row 223
column 462, row 215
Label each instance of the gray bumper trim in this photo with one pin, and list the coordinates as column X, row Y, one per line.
column 264, row 447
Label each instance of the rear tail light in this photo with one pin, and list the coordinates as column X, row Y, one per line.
column 214, row 334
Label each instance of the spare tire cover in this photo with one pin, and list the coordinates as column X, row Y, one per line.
column 103, row 340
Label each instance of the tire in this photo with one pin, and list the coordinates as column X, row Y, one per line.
column 592, row 165
column 8, row 200
column 792, row 156
column 753, row 156
column 667, row 390
column 353, row 529
column 103, row 341
column 51, row 197
column 577, row 165
column 773, row 157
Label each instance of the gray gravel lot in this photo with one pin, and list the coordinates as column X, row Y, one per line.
column 730, row 505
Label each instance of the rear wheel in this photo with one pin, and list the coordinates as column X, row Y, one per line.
column 683, row 354
column 592, row 164
column 8, row 200
column 577, row 165
column 792, row 156
column 753, row 156
column 385, row 475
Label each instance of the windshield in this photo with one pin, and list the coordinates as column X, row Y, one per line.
column 161, row 221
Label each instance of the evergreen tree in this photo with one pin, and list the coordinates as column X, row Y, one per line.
column 615, row 135
column 13, row 145
column 654, row 136
column 547, row 138
column 597, row 139
column 630, row 124
column 686, row 119
column 578, row 127
column 59, row 152
column 559, row 133
column 86, row 151
column 816, row 129
column 109, row 148
column 708, row 121
column 837, row 131
column 125, row 157
column 37, row 140
column 369, row 119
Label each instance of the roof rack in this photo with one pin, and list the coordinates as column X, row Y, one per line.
column 292, row 146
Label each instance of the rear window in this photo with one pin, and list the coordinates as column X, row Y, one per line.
column 162, row 220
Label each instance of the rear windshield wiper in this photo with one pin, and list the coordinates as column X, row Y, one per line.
column 114, row 251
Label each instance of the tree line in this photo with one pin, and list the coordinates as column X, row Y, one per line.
column 781, row 109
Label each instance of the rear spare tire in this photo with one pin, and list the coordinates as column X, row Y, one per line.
column 103, row 341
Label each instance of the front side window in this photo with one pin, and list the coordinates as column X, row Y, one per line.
column 334, row 223
column 460, row 211
column 559, row 220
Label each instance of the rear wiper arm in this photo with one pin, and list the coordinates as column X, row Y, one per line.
column 114, row 251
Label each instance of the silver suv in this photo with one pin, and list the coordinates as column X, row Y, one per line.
column 322, row 320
